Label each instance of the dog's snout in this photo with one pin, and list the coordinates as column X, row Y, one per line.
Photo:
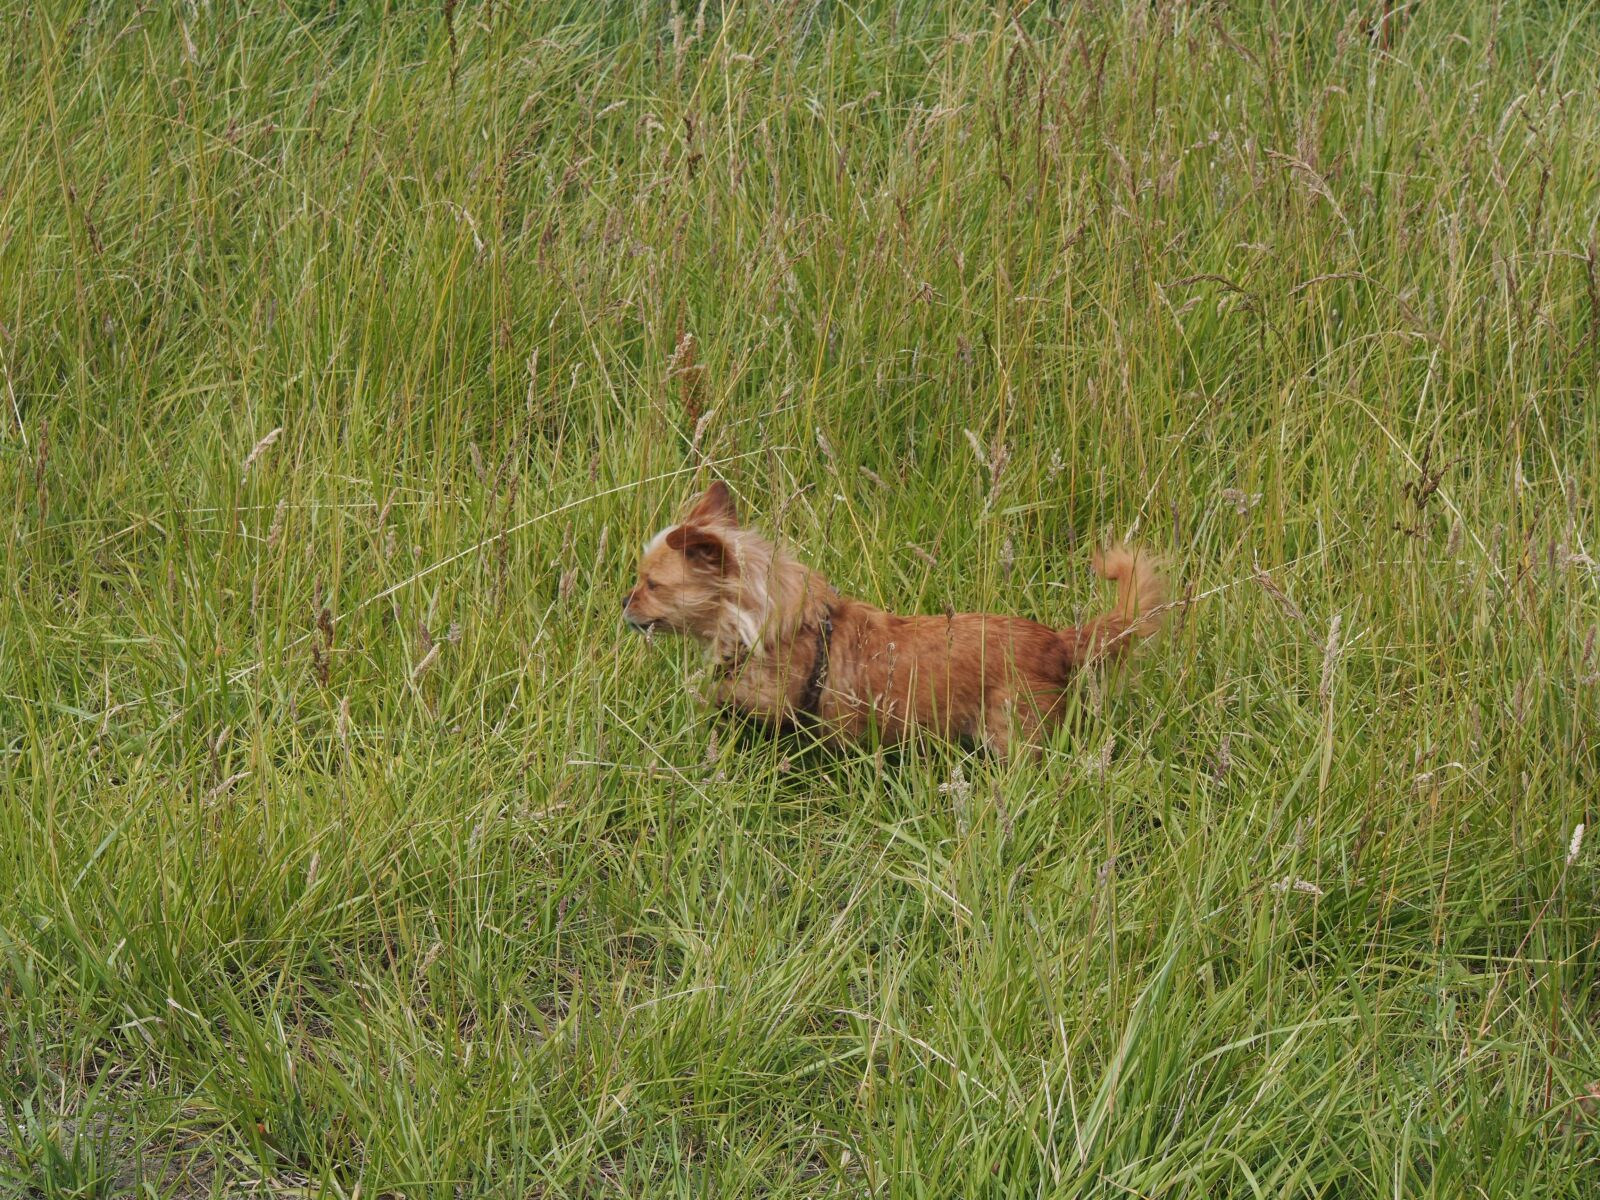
column 627, row 611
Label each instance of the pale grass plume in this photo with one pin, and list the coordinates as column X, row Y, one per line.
column 956, row 786
column 1223, row 760
column 700, row 427
column 426, row 662
column 682, row 358
column 260, row 448
column 1095, row 694
column 1330, row 657
column 978, row 451
column 276, row 531
column 993, row 460
column 1303, row 886
column 1241, row 501
column 1270, row 586
column 227, row 784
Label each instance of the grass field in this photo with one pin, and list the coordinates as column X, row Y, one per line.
column 348, row 353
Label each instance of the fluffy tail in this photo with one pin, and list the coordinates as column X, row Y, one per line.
column 1141, row 594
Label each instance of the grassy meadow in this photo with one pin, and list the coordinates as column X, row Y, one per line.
column 348, row 354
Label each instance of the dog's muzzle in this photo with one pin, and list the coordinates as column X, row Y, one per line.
column 633, row 622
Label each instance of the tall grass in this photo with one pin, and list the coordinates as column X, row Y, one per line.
column 348, row 352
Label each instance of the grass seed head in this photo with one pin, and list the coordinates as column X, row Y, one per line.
column 426, row 662
column 276, row 530
column 1330, row 657
column 259, row 449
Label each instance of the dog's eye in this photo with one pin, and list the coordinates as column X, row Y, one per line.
column 649, row 585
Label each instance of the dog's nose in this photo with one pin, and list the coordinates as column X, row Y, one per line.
column 627, row 599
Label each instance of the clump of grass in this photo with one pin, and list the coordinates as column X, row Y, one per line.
column 347, row 843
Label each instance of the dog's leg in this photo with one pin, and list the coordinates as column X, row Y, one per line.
column 1005, row 727
column 1014, row 726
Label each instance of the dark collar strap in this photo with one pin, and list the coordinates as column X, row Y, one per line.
column 806, row 710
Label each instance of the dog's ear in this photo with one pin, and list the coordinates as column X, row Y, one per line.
column 714, row 506
column 700, row 546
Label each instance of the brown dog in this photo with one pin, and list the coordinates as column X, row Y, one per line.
column 787, row 647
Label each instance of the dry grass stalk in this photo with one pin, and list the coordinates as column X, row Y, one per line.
column 1270, row 586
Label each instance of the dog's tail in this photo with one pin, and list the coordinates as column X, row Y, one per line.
column 1140, row 607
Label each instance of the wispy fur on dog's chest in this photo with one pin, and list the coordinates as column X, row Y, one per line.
column 784, row 682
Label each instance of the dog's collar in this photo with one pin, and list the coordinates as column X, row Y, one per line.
column 807, row 710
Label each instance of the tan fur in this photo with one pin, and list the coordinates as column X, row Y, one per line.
column 969, row 675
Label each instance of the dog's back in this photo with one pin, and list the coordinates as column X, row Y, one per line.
column 980, row 675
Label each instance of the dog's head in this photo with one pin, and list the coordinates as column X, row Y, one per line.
column 685, row 573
